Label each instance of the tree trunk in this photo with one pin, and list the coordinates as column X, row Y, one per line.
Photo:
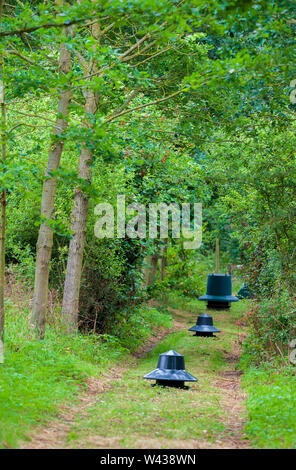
column 163, row 259
column 145, row 270
column 45, row 236
column 78, row 226
column 153, row 269
column 149, row 272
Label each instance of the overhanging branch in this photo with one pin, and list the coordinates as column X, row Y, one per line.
column 35, row 28
column 137, row 108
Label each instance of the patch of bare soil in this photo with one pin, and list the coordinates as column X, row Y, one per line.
column 54, row 435
column 233, row 402
column 102, row 442
column 181, row 316
column 242, row 322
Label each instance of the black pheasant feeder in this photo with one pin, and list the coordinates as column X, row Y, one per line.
column 219, row 292
column 204, row 326
column 170, row 371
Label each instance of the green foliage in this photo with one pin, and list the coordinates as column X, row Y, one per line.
column 184, row 273
column 227, row 140
column 24, row 269
column 111, row 283
column 132, row 328
column 243, row 125
column 178, row 151
column 126, row 155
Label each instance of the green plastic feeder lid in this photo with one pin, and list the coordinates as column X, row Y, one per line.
column 219, row 289
column 171, row 367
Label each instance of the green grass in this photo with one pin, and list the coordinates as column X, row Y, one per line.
column 39, row 376
column 133, row 414
column 133, row 331
column 271, row 407
column 133, row 411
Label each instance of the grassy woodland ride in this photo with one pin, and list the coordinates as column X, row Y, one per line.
column 67, row 362
column 40, row 377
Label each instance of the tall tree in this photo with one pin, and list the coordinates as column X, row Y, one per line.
column 78, row 227
column 34, row 41
column 45, row 237
column 134, row 40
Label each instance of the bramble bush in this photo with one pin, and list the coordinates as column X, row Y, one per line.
column 272, row 324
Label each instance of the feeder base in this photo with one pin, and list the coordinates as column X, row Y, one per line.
column 170, row 383
column 204, row 334
column 214, row 305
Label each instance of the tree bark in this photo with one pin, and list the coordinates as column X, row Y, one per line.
column 163, row 259
column 78, row 226
column 45, row 236
column 153, row 270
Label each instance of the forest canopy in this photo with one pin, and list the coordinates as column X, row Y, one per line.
column 164, row 102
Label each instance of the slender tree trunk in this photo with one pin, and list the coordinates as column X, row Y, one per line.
column 150, row 269
column 153, row 270
column 78, row 226
column 3, row 192
column 217, row 255
column 45, row 237
column 145, row 270
column 163, row 259
column 80, row 209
